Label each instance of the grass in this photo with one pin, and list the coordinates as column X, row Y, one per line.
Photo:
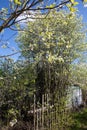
column 79, row 120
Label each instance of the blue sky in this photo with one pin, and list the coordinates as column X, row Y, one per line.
column 11, row 35
column 82, row 10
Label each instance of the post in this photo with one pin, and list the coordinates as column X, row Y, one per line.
column 42, row 111
column 37, row 119
column 34, row 110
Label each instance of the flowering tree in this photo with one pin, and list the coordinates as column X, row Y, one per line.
column 9, row 15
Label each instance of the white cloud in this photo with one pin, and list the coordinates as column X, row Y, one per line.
column 85, row 5
column 27, row 16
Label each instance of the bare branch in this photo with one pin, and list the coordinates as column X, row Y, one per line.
column 27, row 7
column 4, row 56
column 49, row 8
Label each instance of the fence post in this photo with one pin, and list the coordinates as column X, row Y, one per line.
column 42, row 111
column 37, row 119
column 34, row 110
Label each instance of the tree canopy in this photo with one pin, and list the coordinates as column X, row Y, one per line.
column 59, row 37
column 53, row 44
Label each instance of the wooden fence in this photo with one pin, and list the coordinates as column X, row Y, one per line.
column 48, row 115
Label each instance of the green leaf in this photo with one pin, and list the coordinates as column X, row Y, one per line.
column 51, row 6
column 17, row 2
column 72, row 1
column 84, row 0
column 76, row 3
column 69, row 5
column 73, row 9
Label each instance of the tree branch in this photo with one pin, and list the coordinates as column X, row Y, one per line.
column 4, row 56
column 26, row 7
